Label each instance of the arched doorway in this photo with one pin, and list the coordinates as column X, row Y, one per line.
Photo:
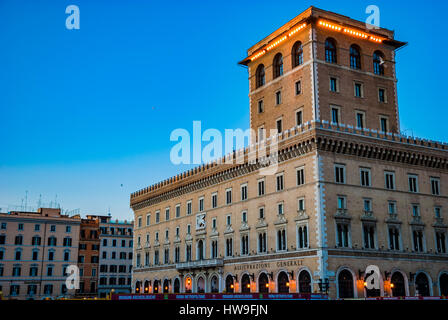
column 304, row 282
column 188, row 284
column 229, row 284
column 345, row 284
column 176, row 286
column 156, row 286
column 201, row 285
column 283, row 282
column 245, row 284
column 138, row 285
column 443, row 284
column 214, row 287
column 146, row 286
column 263, row 283
column 397, row 284
column 422, row 285
column 200, row 247
column 166, row 286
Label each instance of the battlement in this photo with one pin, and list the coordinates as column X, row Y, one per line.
column 282, row 139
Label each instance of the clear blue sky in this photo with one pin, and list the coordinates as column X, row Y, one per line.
column 86, row 111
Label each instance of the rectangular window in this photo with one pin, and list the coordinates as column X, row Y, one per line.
column 178, row 211
column 341, row 203
column 261, row 187
column 214, row 200
column 300, row 174
column 244, row 192
column 369, row 236
column 339, row 173
column 392, row 207
column 382, row 95
column 214, row 223
column 229, row 220
column 261, row 133
column 261, row 213
column 335, row 115
column 298, row 87
column 189, row 207
column 417, row 237
column 365, row 177
column 384, row 124
column 279, row 126
column 278, row 97
column 435, row 186
column 148, row 219
column 360, row 120
column 201, row 204
column 394, row 238
column 342, row 235
column 301, row 204
column 167, row 214
column 244, row 216
column 359, row 90
column 441, row 241
column 279, row 179
column 413, row 183
column 157, row 216
column 437, row 212
column 334, row 84
column 416, row 210
column 367, row 205
column 389, row 178
column 228, row 196
column 260, row 106
column 280, row 208
column 299, row 117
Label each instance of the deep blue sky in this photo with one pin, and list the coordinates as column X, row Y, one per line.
column 85, row 111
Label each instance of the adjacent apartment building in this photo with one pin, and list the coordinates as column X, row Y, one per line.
column 116, row 251
column 88, row 257
column 35, row 250
column 350, row 191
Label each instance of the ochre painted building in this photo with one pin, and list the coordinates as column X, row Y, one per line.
column 350, row 191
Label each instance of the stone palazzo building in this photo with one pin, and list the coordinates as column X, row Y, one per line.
column 350, row 191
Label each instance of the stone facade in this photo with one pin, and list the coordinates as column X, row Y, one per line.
column 349, row 190
column 35, row 250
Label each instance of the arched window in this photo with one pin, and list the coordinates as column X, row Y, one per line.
column 201, row 285
column 297, row 54
column 260, row 76
column 397, row 284
column 166, row 286
column 137, row 287
column 443, row 284
column 146, row 286
column 156, row 286
column 176, row 286
column 263, row 283
column 229, row 284
column 355, row 57
column 330, row 51
column 422, row 285
column 200, row 254
column 304, row 282
column 378, row 63
column 345, row 284
column 283, row 282
column 214, row 285
column 278, row 65
column 188, row 285
column 245, row 284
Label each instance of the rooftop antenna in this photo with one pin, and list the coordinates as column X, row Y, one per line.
column 108, row 212
column 26, row 200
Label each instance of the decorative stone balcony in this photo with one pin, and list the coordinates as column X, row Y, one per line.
column 301, row 215
column 200, row 264
column 342, row 214
column 368, row 216
column 417, row 220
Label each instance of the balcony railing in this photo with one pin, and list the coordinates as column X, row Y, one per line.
column 208, row 263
